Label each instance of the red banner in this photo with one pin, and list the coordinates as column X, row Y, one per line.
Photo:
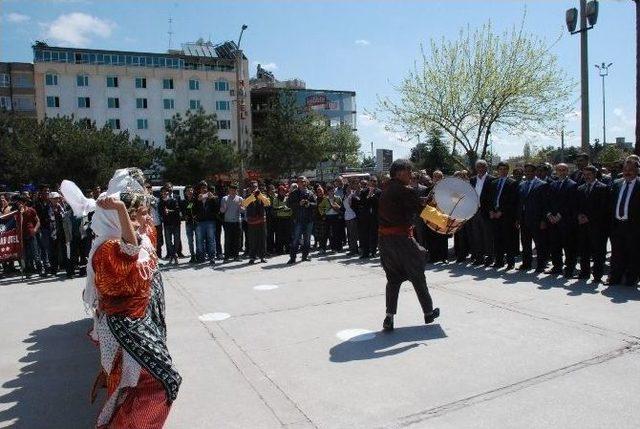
column 11, row 237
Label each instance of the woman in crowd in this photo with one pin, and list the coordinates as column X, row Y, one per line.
column 321, row 229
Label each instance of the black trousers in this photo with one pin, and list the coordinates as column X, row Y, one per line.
column 335, row 226
column 461, row 245
column 368, row 235
column 593, row 247
column 562, row 240
column 283, row 230
column 232, row 237
column 504, row 232
column 438, row 246
column 160, row 240
column 271, row 234
column 625, row 256
column 256, row 240
column 403, row 259
column 528, row 237
column 481, row 237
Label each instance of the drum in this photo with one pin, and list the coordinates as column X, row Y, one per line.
column 453, row 202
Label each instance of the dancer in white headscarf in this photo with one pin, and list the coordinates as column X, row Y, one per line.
column 125, row 293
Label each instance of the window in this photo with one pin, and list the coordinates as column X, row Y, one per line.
column 143, row 124
column 114, row 123
column 51, row 79
column 194, row 84
column 5, row 103
column 113, row 103
column 23, row 80
column 168, row 103
column 141, row 103
column 53, row 101
column 5, row 80
column 221, row 85
column 23, row 104
column 224, row 125
column 82, row 80
column 84, row 102
column 194, row 104
column 141, row 82
column 222, row 105
column 167, row 83
column 225, row 141
column 112, row 81
column 167, row 124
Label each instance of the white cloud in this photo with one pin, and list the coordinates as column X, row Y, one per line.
column 77, row 29
column 17, row 17
column 362, row 42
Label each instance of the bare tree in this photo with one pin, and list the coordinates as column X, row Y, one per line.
column 478, row 84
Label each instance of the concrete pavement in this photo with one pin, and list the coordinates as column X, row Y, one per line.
column 509, row 350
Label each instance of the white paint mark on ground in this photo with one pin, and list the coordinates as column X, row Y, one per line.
column 266, row 287
column 355, row 335
column 214, row 317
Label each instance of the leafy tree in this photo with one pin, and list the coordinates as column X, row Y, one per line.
column 434, row 154
column 368, row 163
column 61, row 148
column 290, row 141
column 526, row 152
column 195, row 151
column 479, row 84
column 343, row 146
column 611, row 154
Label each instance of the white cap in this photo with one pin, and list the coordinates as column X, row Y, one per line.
column 54, row 195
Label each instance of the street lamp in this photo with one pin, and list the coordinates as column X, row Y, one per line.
column 588, row 17
column 239, row 101
column 604, row 72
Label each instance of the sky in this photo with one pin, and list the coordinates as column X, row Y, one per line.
column 358, row 45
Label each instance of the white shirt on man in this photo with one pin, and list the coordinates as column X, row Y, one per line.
column 480, row 183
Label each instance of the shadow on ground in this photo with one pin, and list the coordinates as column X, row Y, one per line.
column 54, row 385
column 383, row 344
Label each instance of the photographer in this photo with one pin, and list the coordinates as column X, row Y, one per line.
column 207, row 209
column 255, row 205
column 302, row 202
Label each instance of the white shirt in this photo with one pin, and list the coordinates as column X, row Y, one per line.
column 630, row 185
column 349, row 213
column 480, row 184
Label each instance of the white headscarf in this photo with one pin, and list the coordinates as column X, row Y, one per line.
column 105, row 223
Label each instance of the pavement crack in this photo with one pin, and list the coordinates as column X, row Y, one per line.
column 440, row 410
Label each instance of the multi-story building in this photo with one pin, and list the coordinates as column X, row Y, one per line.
column 17, row 90
column 337, row 107
column 141, row 91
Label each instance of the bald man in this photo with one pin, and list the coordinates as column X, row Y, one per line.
column 561, row 217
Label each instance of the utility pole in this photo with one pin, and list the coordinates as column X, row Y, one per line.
column 604, row 72
column 587, row 16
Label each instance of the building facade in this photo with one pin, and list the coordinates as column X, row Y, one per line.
column 141, row 92
column 17, row 89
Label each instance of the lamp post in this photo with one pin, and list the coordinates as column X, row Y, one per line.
column 588, row 16
column 239, row 96
column 604, row 72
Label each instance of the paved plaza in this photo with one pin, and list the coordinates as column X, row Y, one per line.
column 272, row 346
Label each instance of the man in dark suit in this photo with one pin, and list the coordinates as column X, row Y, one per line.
column 593, row 224
column 532, row 195
column 503, row 217
column 582, row 160
column 625, row 233
column 481, row 230
column 368, row 218
column 562, row 222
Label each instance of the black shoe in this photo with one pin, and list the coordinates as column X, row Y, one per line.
column 568, row 274
column 364, row 256
column 510, row 266
column 611, row 281
column 180, row 255
column 524, row 267
column 291, row 261
column 539, row 270
column 553, row 271
column 252, row 261
column 263, row 261
column 192, row 260
column 306, row 259
column 387, row 325
column 460, row 260
column 212, row 262
column 597, row 279
column 429, row 318
column 498, row 264
column 487, row 262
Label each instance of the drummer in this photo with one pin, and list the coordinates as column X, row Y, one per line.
column 401, row 256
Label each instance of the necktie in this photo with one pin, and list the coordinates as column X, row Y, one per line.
column 623, row 200
column 529, row 187
column 500, row 186
column 589, row 189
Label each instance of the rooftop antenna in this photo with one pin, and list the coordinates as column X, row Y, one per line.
column 170, row 31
